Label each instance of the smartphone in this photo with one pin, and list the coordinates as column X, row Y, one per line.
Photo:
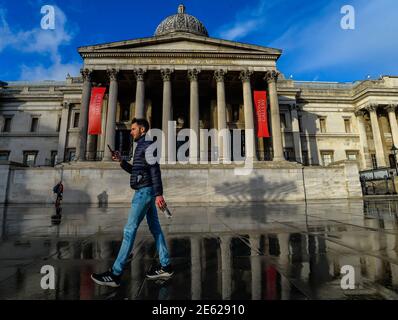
column 167, row 212
column 110, row 149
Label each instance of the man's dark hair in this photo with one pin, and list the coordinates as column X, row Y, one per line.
column 142, row 123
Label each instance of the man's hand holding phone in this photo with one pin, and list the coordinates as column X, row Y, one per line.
column 115, row 154
column 161, row 203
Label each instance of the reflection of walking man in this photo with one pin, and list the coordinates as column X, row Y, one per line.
column 146, row 180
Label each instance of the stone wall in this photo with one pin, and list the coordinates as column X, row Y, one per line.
column 183, row 184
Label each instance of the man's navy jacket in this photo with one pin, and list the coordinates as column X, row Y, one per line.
column 142, row 173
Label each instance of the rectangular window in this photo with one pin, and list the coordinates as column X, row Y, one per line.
column 327, row 157
column 352, row 155
column 347, row 125
column 374, row 160
column 4, row 155
column 288, row 154
column 235, row 112
column 125, row 112
column 70, row 154
column 7, row 124
column 53, row 158
column 322, row 124
column 76, row 120
column 34, row 125
column 29, row 158
column 283, row 120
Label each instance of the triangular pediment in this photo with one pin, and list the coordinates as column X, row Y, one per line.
column 180, row 42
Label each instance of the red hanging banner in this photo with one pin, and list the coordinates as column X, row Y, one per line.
column 95, row 110
column 271, row 276
column 260, row 102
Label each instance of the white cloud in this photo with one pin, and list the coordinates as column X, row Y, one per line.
column 57, row 71
column 239, row 30
column 320, row 42
column 246, row 21
column 6, row 37
column 43, row 42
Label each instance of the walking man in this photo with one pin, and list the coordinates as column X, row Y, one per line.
column 145, row 179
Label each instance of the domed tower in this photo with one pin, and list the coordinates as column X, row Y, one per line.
column 181, row 22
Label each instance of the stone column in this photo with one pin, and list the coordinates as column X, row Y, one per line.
column 363, row 138
column 296, row 132
column 224, row 154
column 196, row 268
column 271, row 77
column 167, row 112
column 393, row 123
column 381, row 161
column 140, row 94
column 194, row 115
column 249, row 120
column 226, row 270
column 255, row 262
column 83, row 120
column 63, row 132
column 111, row 118
column 284, row 262
column 101, row 143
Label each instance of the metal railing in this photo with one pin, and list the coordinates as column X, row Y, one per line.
column 377, row 181
column 375, row 174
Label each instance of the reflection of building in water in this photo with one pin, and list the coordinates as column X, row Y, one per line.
column 253, row 265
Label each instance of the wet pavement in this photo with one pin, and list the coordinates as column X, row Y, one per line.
column 288, row 251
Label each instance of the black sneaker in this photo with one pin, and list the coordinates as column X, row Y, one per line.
column 106, row 279
column 160, row 272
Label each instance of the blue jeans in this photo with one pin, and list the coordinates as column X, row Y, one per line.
column 143, row 203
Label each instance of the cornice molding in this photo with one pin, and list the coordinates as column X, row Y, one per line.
column 176, row 55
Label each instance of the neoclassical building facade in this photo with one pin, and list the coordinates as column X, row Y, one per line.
column 182, row 74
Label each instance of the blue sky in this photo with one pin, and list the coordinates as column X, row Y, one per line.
column 314, row 45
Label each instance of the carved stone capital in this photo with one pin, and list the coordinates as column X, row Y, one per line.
column 271, row 76
column 219, row 75
column 139, row 74
column 391, row 108
column 86, row 74
column 372, row 107
column 245, row 75
column 193, row 74
column 65, row 104
column 360, row 112
column 112, row 74
column 166, row 74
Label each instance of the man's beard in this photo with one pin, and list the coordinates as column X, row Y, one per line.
column 136, row 139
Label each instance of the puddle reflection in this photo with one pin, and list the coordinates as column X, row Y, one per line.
column 290, row 256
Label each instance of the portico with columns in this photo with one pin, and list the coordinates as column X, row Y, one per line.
column 384, row 134
column 326, row 131
column 181, row 74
